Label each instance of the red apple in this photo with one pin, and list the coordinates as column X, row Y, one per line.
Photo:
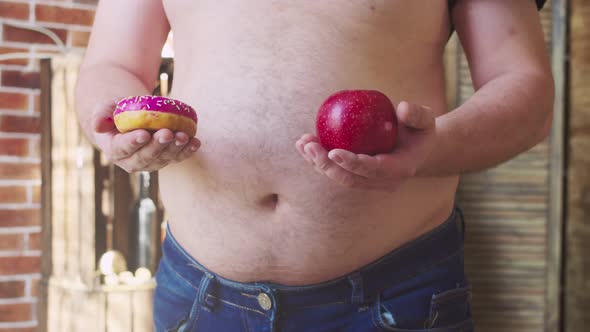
column 360, row 121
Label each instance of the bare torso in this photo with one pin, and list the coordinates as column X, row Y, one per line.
column 247, row 206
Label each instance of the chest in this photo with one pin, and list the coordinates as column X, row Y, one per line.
column 268, row 22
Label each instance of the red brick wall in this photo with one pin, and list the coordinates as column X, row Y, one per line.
column 19, row 145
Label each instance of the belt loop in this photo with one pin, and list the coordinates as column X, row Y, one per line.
column 275, row 310
column 356, row 281
column 207, row 282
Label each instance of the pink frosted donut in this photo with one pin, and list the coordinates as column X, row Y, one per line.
column 154, row 113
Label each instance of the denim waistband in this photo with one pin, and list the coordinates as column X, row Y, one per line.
column 407, row 261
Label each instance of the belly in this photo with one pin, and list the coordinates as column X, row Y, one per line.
column 246, row 205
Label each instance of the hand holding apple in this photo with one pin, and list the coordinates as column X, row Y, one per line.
column 414, row 139
column 360, row 121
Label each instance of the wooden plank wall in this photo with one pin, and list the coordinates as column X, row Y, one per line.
column 577, row 246
column 506, row 210
column 75, row 308
column 73, row 223
column 72, row 157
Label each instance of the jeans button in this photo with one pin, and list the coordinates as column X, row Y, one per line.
column 264, row 301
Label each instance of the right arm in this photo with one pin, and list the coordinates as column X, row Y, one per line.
column 123, row 59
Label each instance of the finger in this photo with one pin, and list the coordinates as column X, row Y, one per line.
column 125, row 145
column 359, row 164
column 324, row 165
column 310, row 146
column 415, row 116
column 150, row 153
column 102, row 116
column 300, row 144
column 309, row 138
column 300, row 148
column 189, row 149
column 318, row 155
column 345, row 178
column 173, row 149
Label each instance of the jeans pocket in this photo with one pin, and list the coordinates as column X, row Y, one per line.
column 450, row 307
column 464, row 326
column 446, row 311
column 174, row 301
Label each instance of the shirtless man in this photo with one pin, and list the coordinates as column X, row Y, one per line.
column 268, row 231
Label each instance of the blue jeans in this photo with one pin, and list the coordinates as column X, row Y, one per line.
column 420, row 286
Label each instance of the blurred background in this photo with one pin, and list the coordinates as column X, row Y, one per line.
column 73, row 260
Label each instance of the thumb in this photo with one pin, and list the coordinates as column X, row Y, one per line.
column 102, row 118
column 416, row 116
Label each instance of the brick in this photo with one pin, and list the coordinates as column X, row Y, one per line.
column 20, row 171
column 20, row 218
column 46, row 13
column 34, row 241
column 19, row 265
column 36, row 194
column 14, row 147
column 19, row 62
column 35, row 148
column 21, row 79
column 12, row 194
column 37, row 103
column 16, row 312
column 22, row 35
column 34, row 287
column 12, row 241
column 11, row 289
column 15, row 10
column 80, row 38
column 14, row 101
column 20, row 124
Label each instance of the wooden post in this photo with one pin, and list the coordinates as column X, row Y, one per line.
column 100, row 222
column 45, row 193
column 553, row 289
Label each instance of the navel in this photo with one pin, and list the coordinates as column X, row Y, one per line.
column 269, row 201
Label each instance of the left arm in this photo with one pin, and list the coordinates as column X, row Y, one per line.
column 512, row 107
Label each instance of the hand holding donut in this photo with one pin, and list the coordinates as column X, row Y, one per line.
column 151, row 132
